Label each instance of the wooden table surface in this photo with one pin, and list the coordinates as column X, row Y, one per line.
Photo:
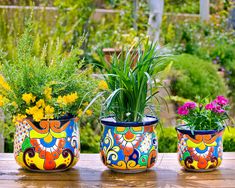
column 90, row 172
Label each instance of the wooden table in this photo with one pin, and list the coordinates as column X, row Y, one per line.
column 90, row 172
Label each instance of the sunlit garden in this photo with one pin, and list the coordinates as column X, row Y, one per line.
column 98, row 75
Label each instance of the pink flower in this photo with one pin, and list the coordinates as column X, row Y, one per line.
column 210, row 106
column 218, row 109
column 221, row 111
column 182, row 110
column 190, row 105
column 221, row 100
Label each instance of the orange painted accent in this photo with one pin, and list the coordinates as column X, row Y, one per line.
column 128, row 150
column 148, row 128
column 55, row 126
column 45, row 127
column 49, row 163
column 129, row 135
column 202, row 163
column 208, row 140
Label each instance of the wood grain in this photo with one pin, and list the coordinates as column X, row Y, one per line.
column 90, row 172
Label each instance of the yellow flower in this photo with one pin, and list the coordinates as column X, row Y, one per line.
column 49, row 112
column 103, row 85
column 47, row 93
column 4, row 84
column 28, row 97
column 32, row 110
column 18, row 117
column 40, row 103
column 14, row 104
column 67, row 99
column 79, row 112
column 89, row 112
column 37, row 116
column 71, row 98
column 60, row 100
column 85, row 104
column 1, row 100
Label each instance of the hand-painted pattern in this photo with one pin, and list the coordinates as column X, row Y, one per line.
column 129, row 148
column 50, row 145
column 200, row 152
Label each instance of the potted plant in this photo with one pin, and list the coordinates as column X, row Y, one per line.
column 45, row 98
column 129, row 143
column 200, row 146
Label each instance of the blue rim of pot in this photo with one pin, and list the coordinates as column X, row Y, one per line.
column 107, row 121
column 185, row 130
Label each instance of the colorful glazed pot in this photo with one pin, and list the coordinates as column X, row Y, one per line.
column 50, row 145
column 201, row 151
column 129, row 147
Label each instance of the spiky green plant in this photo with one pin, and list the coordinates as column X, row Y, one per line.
column 133, row 78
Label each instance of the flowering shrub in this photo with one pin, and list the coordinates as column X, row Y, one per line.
column 205, row 116
column 32, row 87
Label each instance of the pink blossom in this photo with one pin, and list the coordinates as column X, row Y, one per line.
column 190, row 105
column 210, row 106
column 221, row 100
column 218, row 109
column 221, row 111
column 182, row 110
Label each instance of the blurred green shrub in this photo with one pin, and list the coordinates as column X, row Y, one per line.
column 193, row 77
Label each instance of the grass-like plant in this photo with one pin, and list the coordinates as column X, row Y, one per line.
column 133, row 79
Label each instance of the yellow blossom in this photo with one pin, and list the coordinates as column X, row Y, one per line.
column 38, row 115
column 40, row 103
column 4, row 84
column 18, row 117
column 71, row 98
column 89, row 112
column 47, row 93
column 49, row 112
column 28, row 97
column 67, row 99
column 14, row 104
column 79, row 112
column 103, row 85
column 85, row 104
column 32, row 110
column 1, row 100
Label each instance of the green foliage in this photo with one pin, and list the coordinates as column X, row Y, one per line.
column 131, row 78
column 193, row 77
column 32, row 86
column 205, row 115
column 90, row 140
column 167, row 139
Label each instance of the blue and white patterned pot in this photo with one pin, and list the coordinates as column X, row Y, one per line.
column 129, row 147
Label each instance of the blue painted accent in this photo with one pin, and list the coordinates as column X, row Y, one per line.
column 201, row 151
column 48, row 145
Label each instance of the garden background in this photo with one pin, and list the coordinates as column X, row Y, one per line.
column 204, row 62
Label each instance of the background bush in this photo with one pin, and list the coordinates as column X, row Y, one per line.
column 193, row 77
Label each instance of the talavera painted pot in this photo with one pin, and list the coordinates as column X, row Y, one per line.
column 50, row 145
column 200, row 151
column 129, row 147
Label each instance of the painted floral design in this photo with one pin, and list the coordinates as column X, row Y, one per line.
column 129, row 148
column 51, row 145
column 127, row 140
column 201, row 152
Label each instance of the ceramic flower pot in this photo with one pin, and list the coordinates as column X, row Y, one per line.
column 201, row 151
column 49, row 145
column 129, row 147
